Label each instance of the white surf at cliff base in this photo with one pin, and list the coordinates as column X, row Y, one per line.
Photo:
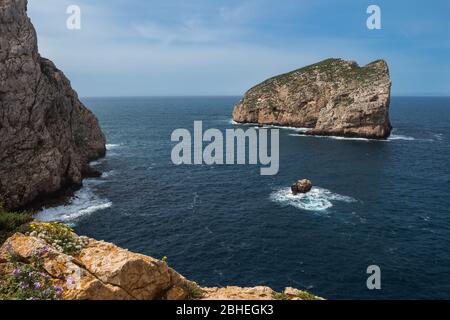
column 84, row 202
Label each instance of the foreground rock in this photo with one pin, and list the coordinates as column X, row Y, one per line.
column 47, row 136
column 256, row 293
column 332, row 97
column 102, row 271
column 301, row 186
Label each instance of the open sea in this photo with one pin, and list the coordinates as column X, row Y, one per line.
column 384, row 203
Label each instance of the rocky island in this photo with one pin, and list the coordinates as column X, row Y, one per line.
column 333, row 97
column 47, row 136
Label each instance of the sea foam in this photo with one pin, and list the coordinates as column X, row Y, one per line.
column 318, row 199
column 84, row 202
column 393, row 137
column 112, row 146
column 300, row 133
column 401, row 137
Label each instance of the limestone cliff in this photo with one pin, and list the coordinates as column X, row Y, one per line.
column 101, row 270
column 47, row 136
column 332, row 97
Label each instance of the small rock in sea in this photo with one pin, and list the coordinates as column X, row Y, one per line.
column 301, row 186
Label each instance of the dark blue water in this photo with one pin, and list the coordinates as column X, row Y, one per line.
column 385, row 203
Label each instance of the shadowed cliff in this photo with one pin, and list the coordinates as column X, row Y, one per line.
column 47, row 136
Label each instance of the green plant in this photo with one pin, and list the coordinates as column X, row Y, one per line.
column 11, row 222
column 279, row 296
column 307, row 296
column 194, row 292
column 29, row 281
column 59, row 236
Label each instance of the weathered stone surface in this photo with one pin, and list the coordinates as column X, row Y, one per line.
column 332, row 97
column 238, row 293
column 176, row 293
column 301, row 186
column 255, row 293
column 77, row 282
column 47, row 136
column 103, row 271
column 141, row 276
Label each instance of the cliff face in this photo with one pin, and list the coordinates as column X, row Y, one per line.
column 332, row 97
column 47, row 136
column 101, row 270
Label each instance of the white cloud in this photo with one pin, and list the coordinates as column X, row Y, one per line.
column 190, row 31
column 190, row 53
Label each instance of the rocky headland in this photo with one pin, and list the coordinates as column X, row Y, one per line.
column 47, row 136
column 333, row 97
column 70, row 267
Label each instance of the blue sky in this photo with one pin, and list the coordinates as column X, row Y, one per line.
column 223, row 47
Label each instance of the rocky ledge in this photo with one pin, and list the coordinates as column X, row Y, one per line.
column 332, row 97
column 98, row 270
column 47, row 136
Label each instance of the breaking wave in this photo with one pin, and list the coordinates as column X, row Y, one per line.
column 108, row 174
column 234, row 123
column 318, row 199
column 300, row 132
column 112, row 146
column 84, row 202
column 401, row 137
column 297, row 129
column 393, row 137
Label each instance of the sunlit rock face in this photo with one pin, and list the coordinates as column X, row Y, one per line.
column 332, row 97
column 104, row 271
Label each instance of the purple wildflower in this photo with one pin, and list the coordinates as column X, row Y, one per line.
column 43, row 250
column 16, row 271
column 37, row 285
column 58, row 290
column 9, row 248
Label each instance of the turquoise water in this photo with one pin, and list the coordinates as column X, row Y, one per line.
column 375, row 202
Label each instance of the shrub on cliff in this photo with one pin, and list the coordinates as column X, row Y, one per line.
column 11, row 222
column 59, row 236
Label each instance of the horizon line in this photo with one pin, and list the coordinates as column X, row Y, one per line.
column 236, row 96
